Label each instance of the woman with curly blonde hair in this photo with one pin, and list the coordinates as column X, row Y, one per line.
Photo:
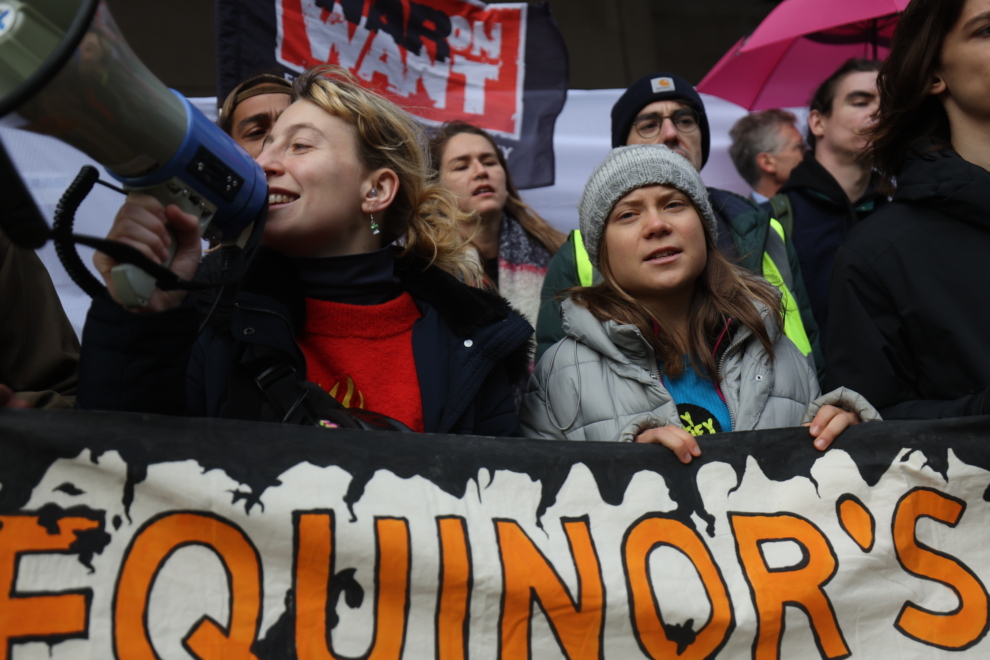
column 361, row 292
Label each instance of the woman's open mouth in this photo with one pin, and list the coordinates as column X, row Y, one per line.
column 483, row 190
column 663, row 256
column 280, row 199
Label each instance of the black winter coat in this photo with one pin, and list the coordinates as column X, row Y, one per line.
column 823, row 216
column 910, row 306
column 468, row 346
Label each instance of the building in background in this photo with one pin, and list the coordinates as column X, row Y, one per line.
column 611, row 42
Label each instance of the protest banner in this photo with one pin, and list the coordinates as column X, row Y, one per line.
column 502, row 67
column 132, row 536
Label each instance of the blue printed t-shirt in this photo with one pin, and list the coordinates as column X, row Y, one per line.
column 699, row 405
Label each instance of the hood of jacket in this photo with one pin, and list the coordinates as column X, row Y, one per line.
column 625, row 346
column 944, row 181
column 812, row 175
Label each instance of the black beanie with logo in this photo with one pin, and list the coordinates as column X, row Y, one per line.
column 657, row 87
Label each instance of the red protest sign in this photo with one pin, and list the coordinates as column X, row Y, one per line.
column 440, row 59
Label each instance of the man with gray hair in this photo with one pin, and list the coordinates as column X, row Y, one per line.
column 766, row 146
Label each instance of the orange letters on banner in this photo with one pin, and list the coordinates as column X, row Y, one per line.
column 642, row 539
column 967, row 624
column 314, row 569
column 801, row 586
column 453, row 606
column 528, row 576
column 26, row 618
column 151, row 548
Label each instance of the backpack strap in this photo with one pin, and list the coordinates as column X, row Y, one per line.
column 267, row 389
column 783, row 212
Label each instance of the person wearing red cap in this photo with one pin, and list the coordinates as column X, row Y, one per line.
column 663, row 108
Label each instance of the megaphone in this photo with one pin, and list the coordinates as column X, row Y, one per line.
column 66, row 71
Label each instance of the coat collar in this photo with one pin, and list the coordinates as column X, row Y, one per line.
column 627, row 351
column 943, row 180
column 625, row 347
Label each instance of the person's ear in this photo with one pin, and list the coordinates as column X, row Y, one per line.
column 766, row 163
column 938, row 84
column 379, row 190
column 816, row 124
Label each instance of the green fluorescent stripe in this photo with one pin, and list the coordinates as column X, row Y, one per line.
column 793, row 326
column 583, row 262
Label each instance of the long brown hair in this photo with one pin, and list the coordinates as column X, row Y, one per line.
column 908, row 112
column 722, row 292
column 424, row 215
column 514, row 205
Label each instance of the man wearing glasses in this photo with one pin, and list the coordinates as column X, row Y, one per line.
column 662, row 108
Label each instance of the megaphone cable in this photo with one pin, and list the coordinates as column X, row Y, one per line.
column 65, row 248
column 166, row 280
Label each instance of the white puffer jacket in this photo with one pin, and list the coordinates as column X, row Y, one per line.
column 602, row 383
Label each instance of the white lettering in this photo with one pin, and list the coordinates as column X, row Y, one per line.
column 331, row 36
column 489, row 46
column 433, row 74
column 476, row 74
column 506, row 151
column 460, row 33
column 384, row 57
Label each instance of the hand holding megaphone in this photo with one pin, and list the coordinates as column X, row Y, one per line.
column 165, row 235
column 66, row 71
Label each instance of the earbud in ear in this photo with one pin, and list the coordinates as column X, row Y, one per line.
column 374, row 192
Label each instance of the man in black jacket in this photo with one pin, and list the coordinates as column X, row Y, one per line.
column 832, row 189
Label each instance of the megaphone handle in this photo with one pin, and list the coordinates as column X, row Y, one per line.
column 133, row 286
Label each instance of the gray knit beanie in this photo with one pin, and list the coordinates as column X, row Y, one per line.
column 627, row 168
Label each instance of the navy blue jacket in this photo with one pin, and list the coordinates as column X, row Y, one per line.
column 823, row 217
column 468, row 346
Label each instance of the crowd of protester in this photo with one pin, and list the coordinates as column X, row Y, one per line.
column 402, row 276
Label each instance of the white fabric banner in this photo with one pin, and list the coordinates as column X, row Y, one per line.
column 143, row 537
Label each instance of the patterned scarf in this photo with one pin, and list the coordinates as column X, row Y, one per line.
column 522, row 265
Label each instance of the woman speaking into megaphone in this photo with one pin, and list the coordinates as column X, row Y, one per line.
column 361, row 289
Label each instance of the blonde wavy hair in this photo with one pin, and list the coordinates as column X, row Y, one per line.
column 424, row 215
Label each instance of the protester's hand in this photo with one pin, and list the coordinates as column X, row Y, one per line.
column 829, row 423
column 674, row 438
column 8, row 400
column 141, row 223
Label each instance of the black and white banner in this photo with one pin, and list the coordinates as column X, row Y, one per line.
column 500, row 66
column 139, row 537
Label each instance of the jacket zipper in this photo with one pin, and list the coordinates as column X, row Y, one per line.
column 721, row 368
column 287, row 322
column 721, row 375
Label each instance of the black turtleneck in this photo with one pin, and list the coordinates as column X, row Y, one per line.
column 355, row 279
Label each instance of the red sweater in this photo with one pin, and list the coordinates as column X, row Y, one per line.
column 362, row 355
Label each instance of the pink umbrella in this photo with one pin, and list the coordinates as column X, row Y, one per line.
column 797, row 46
